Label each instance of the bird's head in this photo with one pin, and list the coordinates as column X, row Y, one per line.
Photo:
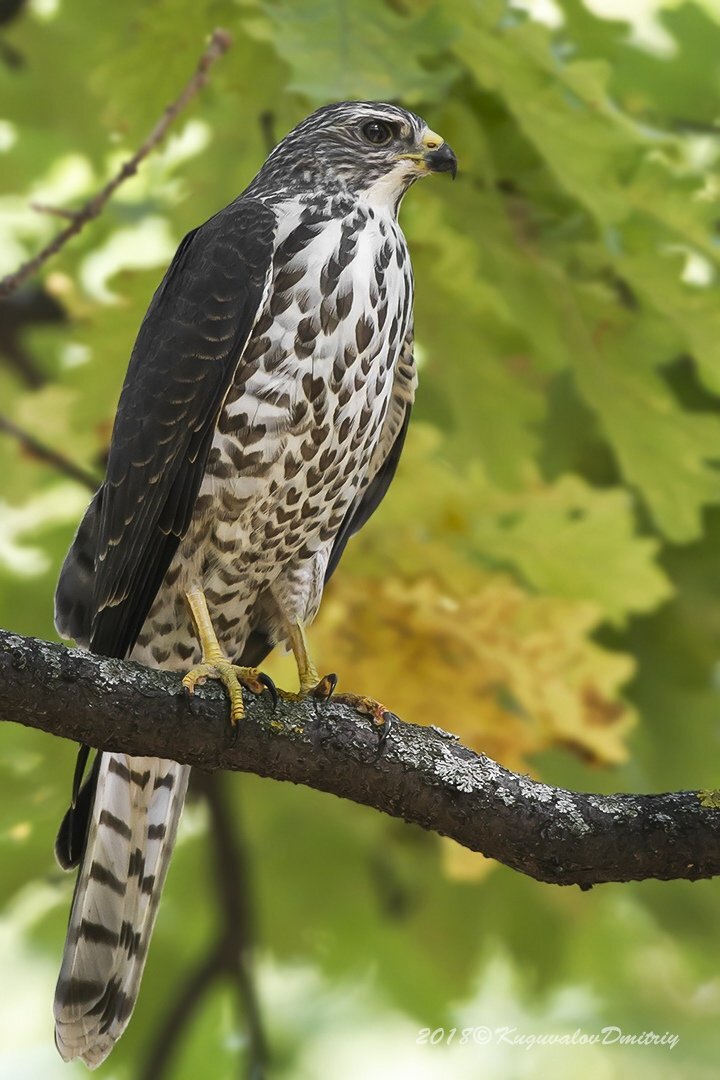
column 370, row 149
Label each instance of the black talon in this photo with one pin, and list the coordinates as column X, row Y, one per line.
column 384, row 730
column 193, row 703
column 270, row 687
column 325, row 688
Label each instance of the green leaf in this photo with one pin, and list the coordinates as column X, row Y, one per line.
column 341, row 49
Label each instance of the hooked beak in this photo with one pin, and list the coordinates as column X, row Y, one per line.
column 442, row 160
column 433, row 155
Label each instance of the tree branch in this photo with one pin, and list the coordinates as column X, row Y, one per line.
column 48, row 454
column 423, row 775
column 220, row 42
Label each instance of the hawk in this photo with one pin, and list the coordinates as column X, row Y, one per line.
column 260, row 424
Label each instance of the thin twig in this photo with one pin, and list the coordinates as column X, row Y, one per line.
column 54, row 211
column 47, row 454
column 220, row 42
column 167, row 1038
column 232, row 874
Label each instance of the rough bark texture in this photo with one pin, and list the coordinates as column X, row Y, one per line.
column 423, row 775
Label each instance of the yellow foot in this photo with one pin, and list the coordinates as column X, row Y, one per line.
column 381, row 717
column 233, row 677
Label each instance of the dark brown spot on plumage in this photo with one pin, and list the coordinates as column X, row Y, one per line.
column 103, row 876
column 285, row 280
column 329, row 318
column 292, row 467
column 256, row 347
column 263, row 324
column 313, row 477
column 347, row 247
column 114, row 823
column 298, row 413
column 119, row 768
column 329, row 276
column 254, row 434
column 129, row 939
column 136, row 864
column 221, row 470
column 304, row 350
column 307, row 330
column 320, row 434
column 309, row 510
column 367, row 362
column 79, row 991
column 280, row 302
column 363, row 332
column 343, row 302
column 224, row 623
column 96, row 934
column 295, row 242
column 314, row 389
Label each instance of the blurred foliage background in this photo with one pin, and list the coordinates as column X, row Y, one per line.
column 543, row 578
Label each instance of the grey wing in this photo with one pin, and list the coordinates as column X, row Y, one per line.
column 181, row 368
column 384, row 461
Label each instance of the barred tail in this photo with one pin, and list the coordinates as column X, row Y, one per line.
column 132, row 832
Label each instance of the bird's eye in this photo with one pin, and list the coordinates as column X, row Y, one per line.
column 377, row 133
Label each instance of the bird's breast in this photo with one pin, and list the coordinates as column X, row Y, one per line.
column 298, row 428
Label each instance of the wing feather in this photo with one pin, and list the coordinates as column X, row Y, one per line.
column 181, row 368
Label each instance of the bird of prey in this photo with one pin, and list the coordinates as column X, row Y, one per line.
column 260, row 424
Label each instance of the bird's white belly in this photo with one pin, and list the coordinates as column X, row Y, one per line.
column 299, row 429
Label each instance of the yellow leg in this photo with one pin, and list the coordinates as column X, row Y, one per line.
column 215, row 664
column 310, row 681
column 312, row 685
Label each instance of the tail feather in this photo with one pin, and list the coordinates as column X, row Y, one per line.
column 132, row 832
